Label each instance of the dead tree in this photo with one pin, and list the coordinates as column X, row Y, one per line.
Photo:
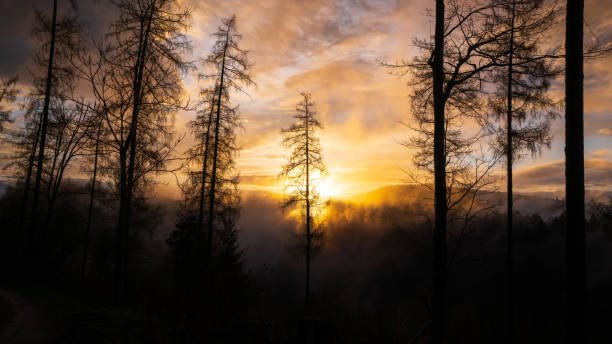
column 69, row 127
column 64, row 35
column 448, row 79
column 230, row 71
column 522, row 102
column 98, row 150
column 26, row 141
column 148, row 44
column 191, row 238
column 8, row 93
column 304, row 165
column 136, row 83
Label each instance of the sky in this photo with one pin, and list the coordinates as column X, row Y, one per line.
column 331, row 49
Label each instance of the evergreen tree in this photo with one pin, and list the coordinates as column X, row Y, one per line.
column 304, row 166
column 230, row 71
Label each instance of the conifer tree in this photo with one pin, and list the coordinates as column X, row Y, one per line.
column 304, row 165
column 230, row 71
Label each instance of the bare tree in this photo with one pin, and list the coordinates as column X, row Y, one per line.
column 191, row 239
column 136, row 83
column 230, row 71
column 26, row 142
column 601, row 215
column 439, row 156
column 201, row 127
column 8, row 93
column 69, row 128
column 69, row 124
column 521, row 101
column 305, row 164
column 98, row 150
column 65, row 36
column 448, row 79
column 574, row 172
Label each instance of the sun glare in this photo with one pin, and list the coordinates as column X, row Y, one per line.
column 327, row 189
column 323, row 186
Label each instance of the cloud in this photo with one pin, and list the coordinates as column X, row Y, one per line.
column 605, row 131
column 326, row 47
column 18, row 20
column 551, row 176
column 602, row 153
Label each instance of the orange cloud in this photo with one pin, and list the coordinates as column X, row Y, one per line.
column 551, row 176
column 602, row 153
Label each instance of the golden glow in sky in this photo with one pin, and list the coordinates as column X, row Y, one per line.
column 331, row 49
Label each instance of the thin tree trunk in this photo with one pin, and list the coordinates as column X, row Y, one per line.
column 117, row 292
column 574, row 174
column 45, row 119
column 204, row 168
column 123, row 232
column 92, row 195
column 213, row 178
column 307, row 296
column 439, row 261
column 509, row 159
column 26, row 188
column 52, row 186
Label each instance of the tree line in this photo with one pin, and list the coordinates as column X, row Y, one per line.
column 103, row 108
column 488, row 64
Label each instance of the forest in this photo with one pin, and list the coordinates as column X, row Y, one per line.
column 329, row 171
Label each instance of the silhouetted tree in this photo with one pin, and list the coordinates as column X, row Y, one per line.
column 69, row 124
column 448, row 80
column 202, row 149
column 26, row 143
column 190, row 242
column 98, row 150
column 198, row 159
column 230, row 71
column 602, row 215
column 8, row 93
column 69, row 128
column 136, row 81
column 439, row 156
column 521, row 101
column 574, row 173
column 304, row 167
column 64, row 38
column 209, row 267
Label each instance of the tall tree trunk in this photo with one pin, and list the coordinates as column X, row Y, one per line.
column 204, row 168
column 439, row 261
column 308, row 235
column 52, row 186
column 574, row 173
column 44, row 122
column 92, row 196
column 509, row 160
column 118, row 268
column 125, row 208
column 213, row 177
column 26, row 188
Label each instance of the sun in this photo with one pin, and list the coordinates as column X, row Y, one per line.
column 327, row 188
column 323, row 186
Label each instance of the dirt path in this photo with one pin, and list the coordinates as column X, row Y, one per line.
column 29, row 323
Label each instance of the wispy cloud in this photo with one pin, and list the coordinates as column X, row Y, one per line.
column 605, row 131
column 329, row 48
column 551, row 176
